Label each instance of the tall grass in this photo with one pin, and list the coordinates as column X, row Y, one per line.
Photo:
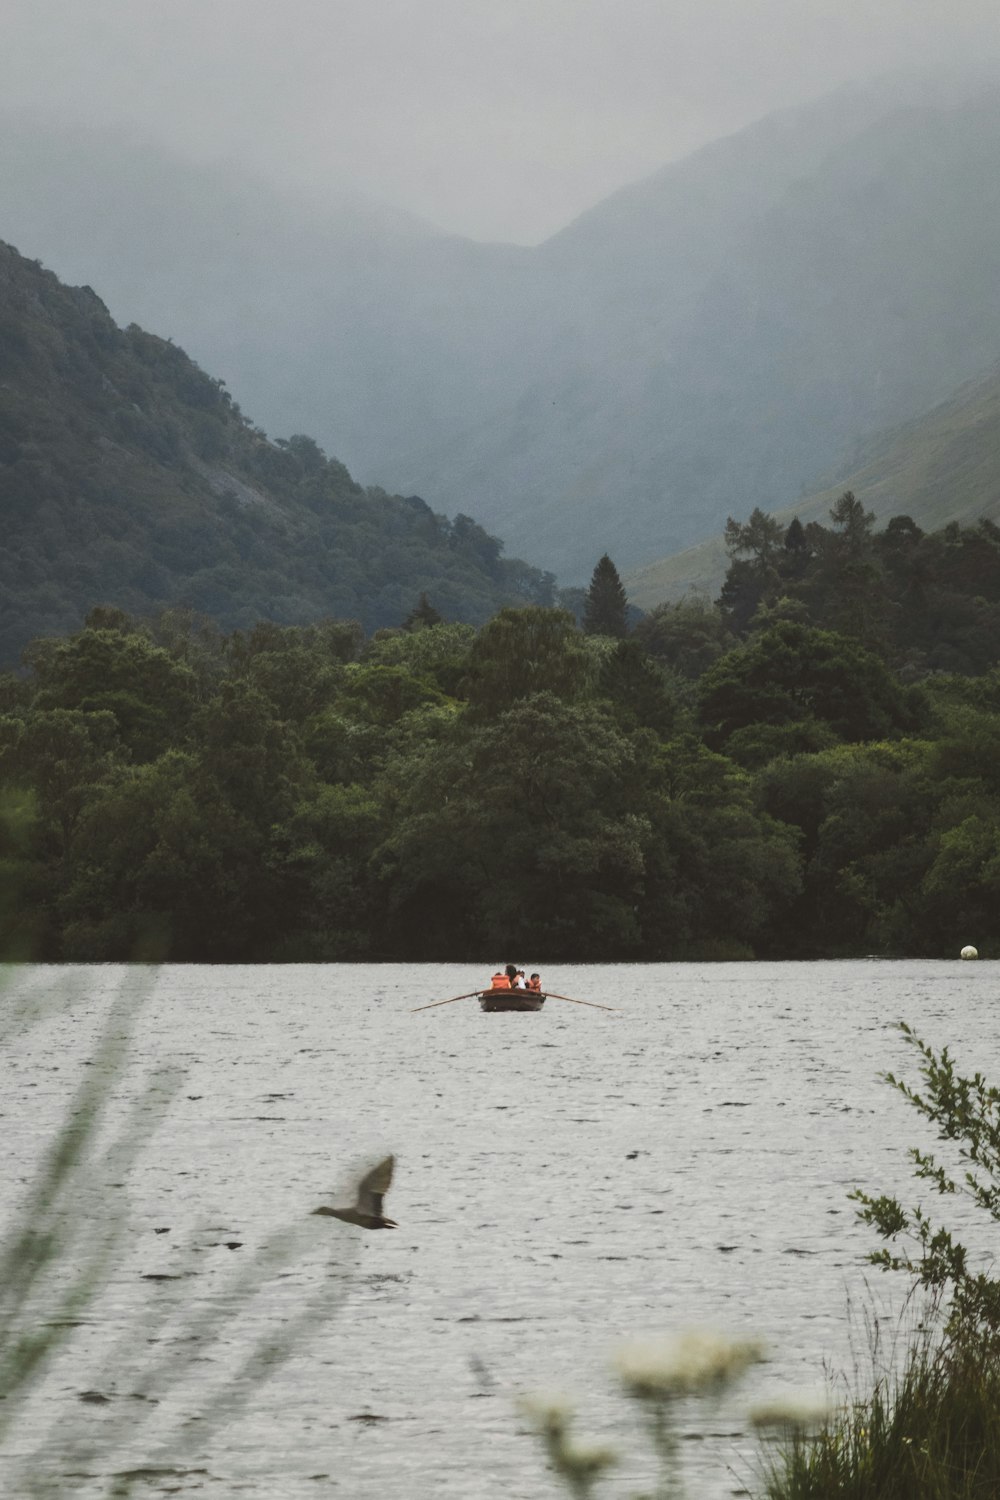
column 932, row 1430
column 929, row 1432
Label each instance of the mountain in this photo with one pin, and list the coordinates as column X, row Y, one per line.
column 943, row 467
column 715, row 337
column 346, row 319
column 130, row 477
column 849, row 299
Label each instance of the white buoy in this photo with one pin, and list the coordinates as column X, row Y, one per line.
column 969, row 952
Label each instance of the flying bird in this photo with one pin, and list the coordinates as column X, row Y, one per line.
column 367, row 1209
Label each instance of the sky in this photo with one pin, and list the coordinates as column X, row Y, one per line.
column 497, row 119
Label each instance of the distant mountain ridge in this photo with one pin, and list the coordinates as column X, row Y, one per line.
column 712, row 338
column 129, row 477
column 864, row 293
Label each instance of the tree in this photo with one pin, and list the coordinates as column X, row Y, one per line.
column 756, row 552
column 636, row 688
column 853, row 522
column 517, row 833
column 686, row 636
column 319, row 860
column 743, row 589
column 470, row 539
column 60, row 755
column 960, row 890
column 717, row 871
column 761, row 538
column 864, row 876
column 844, row 584
column 965, row 1112
column 521, row 652
column 793, row 673
column 606, row 607
column 150, row 694
column 165, row 860
column 381, row 695
column 439, row 653
column 795, row 538
column 796, row 552
column 422, row 615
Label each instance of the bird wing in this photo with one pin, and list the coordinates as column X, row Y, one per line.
column 373, row 1187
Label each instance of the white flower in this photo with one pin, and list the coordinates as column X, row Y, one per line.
column 551, row 1413
column 795, row 1411
column 587, row 1458
column 681, row 1364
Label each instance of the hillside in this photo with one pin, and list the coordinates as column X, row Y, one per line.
column 347, row 320
column 130, row 477
column 850, row 300
column 940, row 468
column 715, row 337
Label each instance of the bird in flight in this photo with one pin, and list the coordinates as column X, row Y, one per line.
column 367, row 1208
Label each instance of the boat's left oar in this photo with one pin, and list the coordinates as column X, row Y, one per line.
column 580, row 1002
column 444, row 1002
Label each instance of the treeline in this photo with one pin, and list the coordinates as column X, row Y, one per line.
column 699, row 787
column 925, row 602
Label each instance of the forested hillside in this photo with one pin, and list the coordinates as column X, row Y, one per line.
column 130, row 477
column 806, row 769
column 720, row 335
column 941, row 469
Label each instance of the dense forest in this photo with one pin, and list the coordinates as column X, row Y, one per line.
column 128, row 473
column 805, row 768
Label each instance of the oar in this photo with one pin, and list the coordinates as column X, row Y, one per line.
column 581, row 1002
column 444, row 1002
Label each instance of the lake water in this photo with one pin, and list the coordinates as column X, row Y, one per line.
column 564, row 1181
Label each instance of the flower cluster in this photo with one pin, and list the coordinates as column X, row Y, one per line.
column 796, row 1412
column 683, row 1364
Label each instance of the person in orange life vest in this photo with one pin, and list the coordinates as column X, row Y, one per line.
column 535, row 984
column 500, row 981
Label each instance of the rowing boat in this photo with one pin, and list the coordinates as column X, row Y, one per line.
column 495, row 1000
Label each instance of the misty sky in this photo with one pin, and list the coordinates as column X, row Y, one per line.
column 494, row 118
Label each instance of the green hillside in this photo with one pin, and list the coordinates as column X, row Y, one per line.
column 130, row 477
column 943, row 467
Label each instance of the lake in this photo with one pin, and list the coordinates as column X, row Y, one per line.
column 564, row 1181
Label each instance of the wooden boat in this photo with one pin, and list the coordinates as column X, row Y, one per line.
column 494, row 1000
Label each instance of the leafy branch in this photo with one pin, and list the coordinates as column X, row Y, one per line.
column 964, row 1111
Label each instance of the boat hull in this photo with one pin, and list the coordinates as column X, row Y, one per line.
column 497, row 1000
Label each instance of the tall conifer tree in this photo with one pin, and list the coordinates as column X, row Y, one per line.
column 422, row 615
column 606, row 605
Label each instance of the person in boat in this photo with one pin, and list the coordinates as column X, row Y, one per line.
column 535, row 984
column 511, row 972
column 520, row 983
column 500, row 981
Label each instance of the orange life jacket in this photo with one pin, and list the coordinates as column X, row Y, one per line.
column 535, row 984
column 500, row 982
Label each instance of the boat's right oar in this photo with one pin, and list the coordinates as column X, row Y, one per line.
column 580, row 1002
column 444, row 1002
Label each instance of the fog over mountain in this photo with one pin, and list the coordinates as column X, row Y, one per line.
column 720, row 335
